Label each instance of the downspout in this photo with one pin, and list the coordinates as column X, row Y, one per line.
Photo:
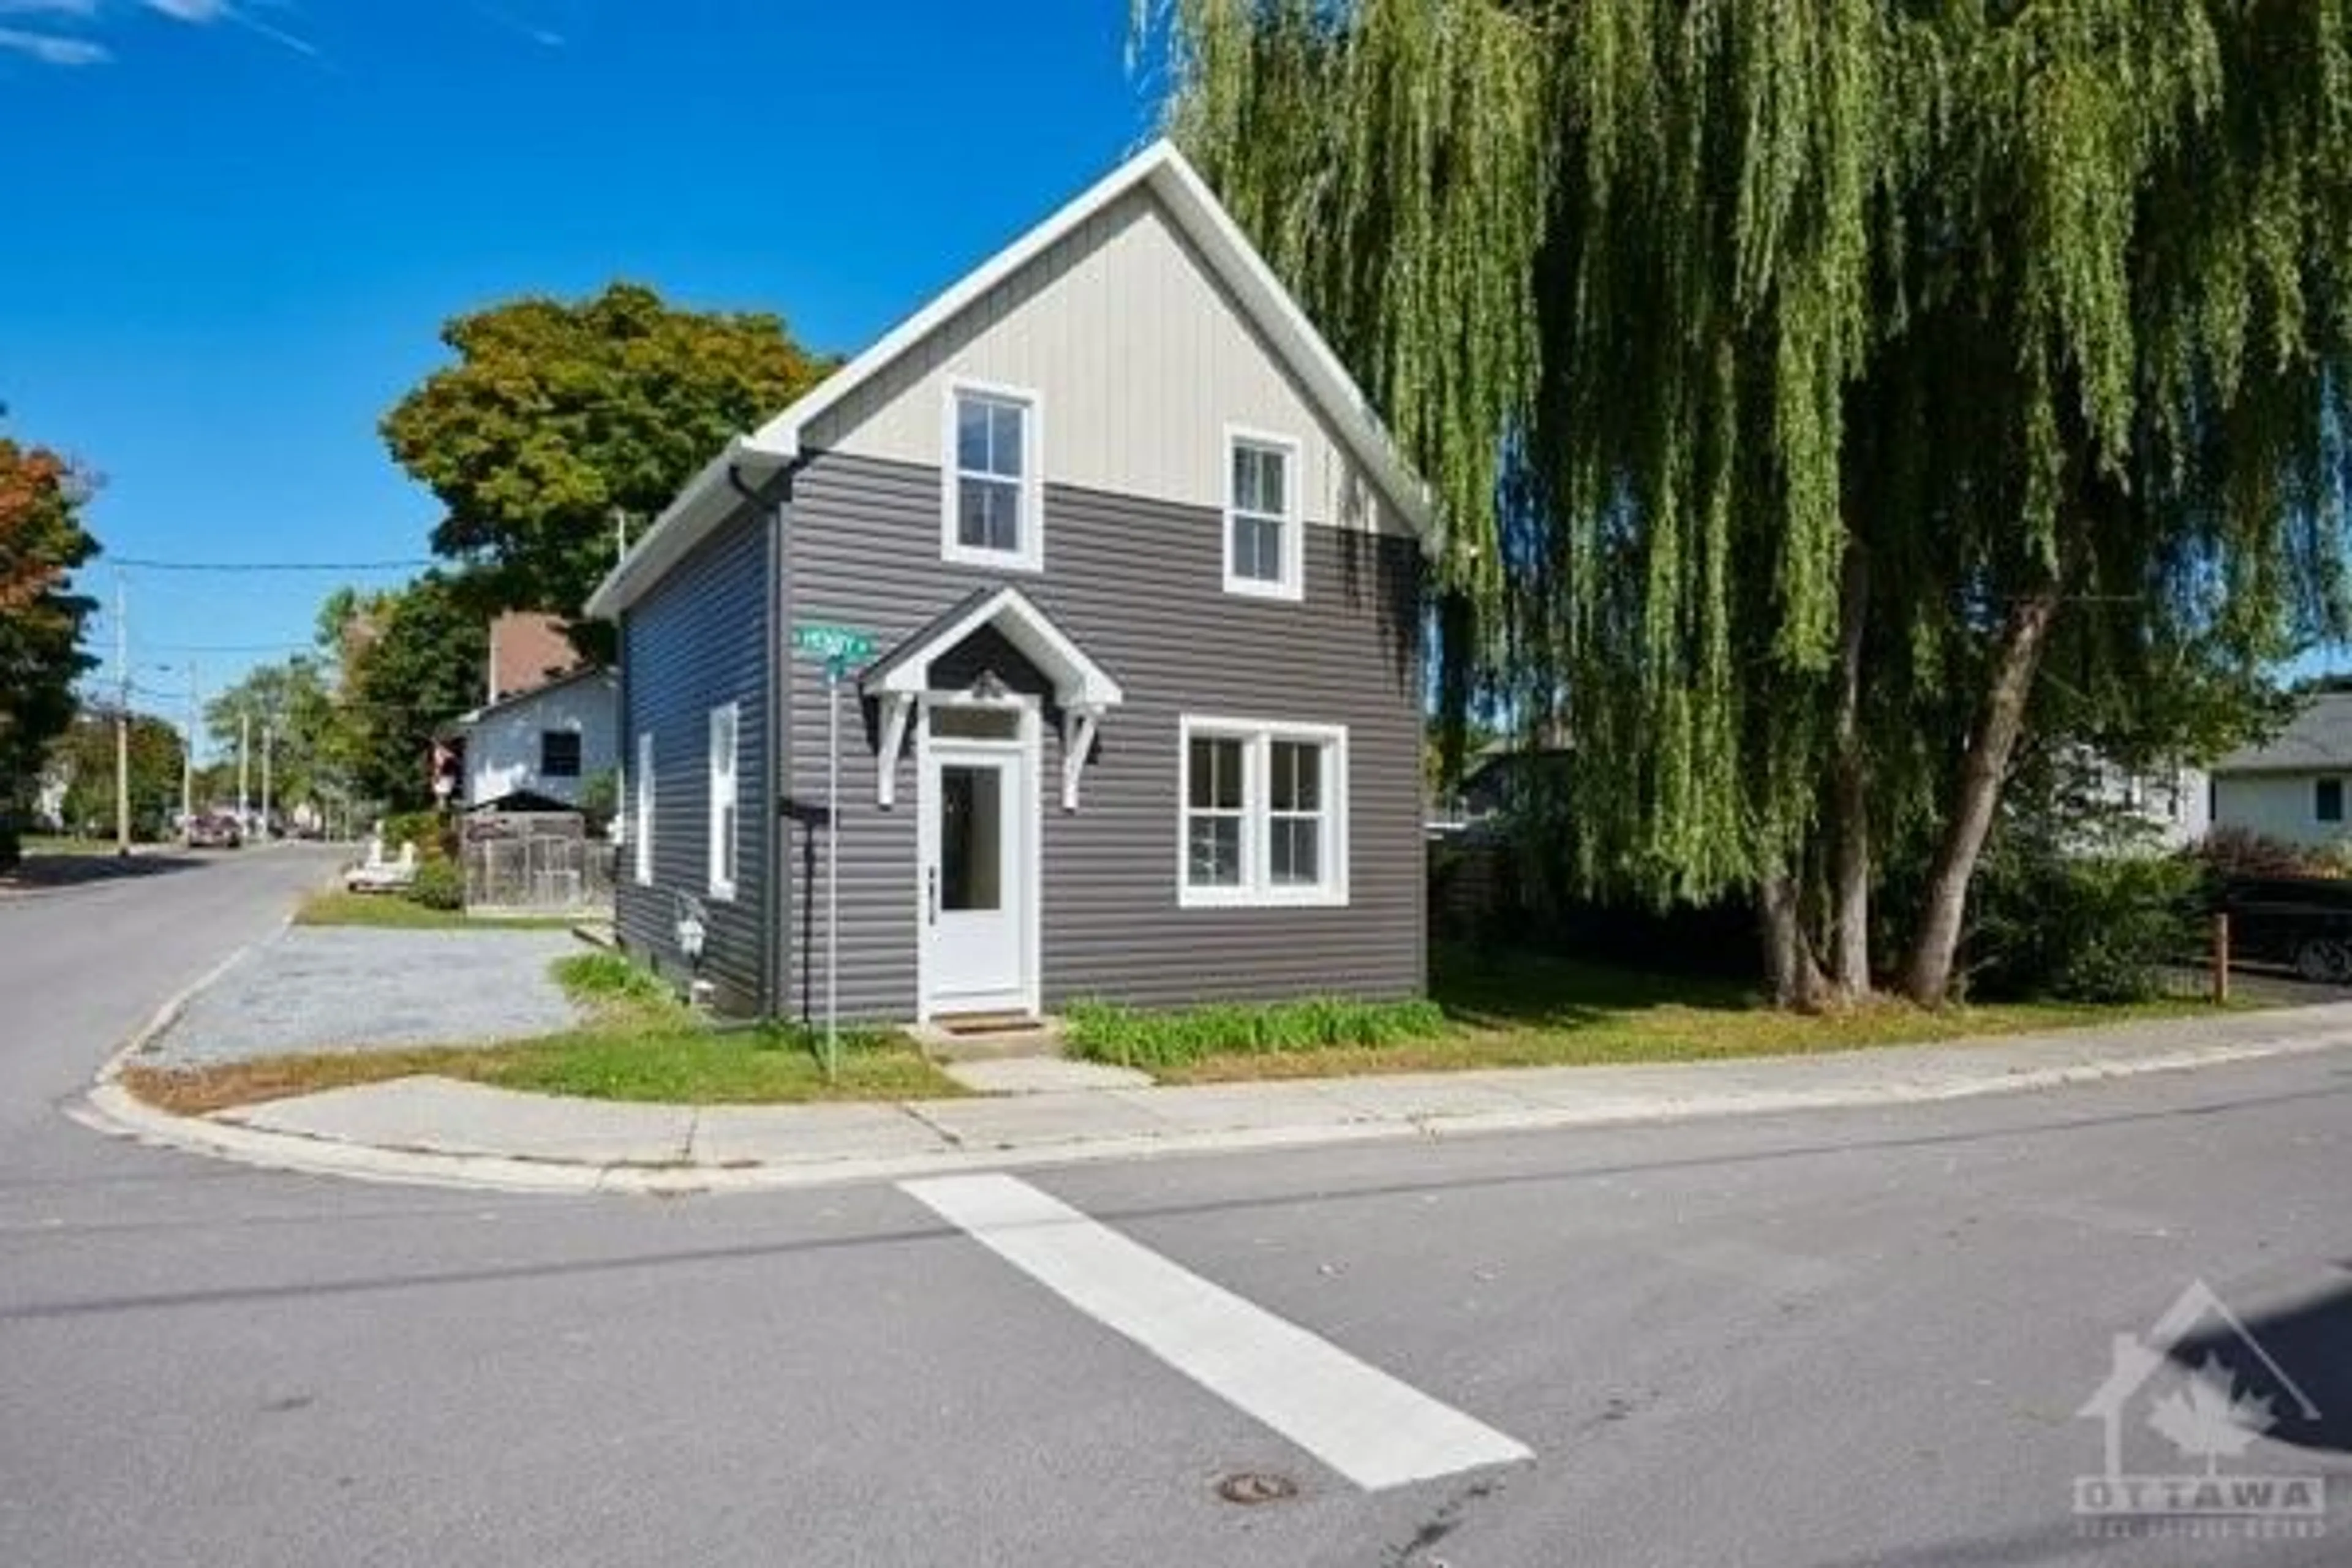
column 774, row 674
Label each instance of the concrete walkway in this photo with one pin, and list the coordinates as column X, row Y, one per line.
column 441, row 1132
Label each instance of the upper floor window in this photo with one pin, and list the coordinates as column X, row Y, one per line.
column 559, row 753
column 1263, row 546
column 991, row 511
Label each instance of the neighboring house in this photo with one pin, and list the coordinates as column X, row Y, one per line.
column 545, row 744
column 1142, row 720
column 2172, row 805
column 2294, row 786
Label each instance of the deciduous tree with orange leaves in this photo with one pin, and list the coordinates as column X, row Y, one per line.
column 42, row 541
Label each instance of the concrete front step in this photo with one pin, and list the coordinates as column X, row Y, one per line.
column 989, row 1037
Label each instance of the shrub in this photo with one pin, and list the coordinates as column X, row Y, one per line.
column 2089, row 928
column 611, row 977
column 439, row 885
column 1105, row 1032
column 2242, row 852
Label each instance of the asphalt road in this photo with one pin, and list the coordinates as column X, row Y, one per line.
column 1825, row 1339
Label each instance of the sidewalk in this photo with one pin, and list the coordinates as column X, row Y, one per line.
column 441, row 1131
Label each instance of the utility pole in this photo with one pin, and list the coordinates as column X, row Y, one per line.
column 188, row 761
column 122, row 719
column 243, row 745
column 266, row 733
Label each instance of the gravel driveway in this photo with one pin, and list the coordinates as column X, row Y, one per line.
column 330, row 988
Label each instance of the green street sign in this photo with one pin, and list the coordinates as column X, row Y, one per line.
column 836, row 644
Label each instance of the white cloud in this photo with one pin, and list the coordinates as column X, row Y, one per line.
column 52, row 50
column 198, row 11
column 49, row 7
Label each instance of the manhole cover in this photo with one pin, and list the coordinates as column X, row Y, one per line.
column 1250, row 1488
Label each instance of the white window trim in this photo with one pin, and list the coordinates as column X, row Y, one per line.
column 1292, row 586
column 1031, row 556
column 727, row 787
column 642, row 827
column 1257, row 889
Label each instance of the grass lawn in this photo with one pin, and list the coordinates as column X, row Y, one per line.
column 1519, row 1010
column 335, row 907
column 638, row 1044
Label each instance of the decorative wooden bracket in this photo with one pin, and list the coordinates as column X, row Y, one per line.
column 1077, row 741
column 897, row 707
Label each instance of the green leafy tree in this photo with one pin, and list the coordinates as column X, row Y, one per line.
column 291, row 706
column 415, row 666
column 560, row 415
column 42, row 541
column 84, row 758
column 1810, row 391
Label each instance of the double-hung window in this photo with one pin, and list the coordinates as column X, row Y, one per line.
column 991, row 511
column 1264, row 549
column 2328, row 800
column 725, row 801
column 1264, row 812
column 641, row 831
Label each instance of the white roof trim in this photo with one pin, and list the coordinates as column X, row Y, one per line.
column 1079, row 683
column 708, row 499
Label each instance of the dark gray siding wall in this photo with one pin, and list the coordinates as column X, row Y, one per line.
column 1140, row 586
column 695, row 641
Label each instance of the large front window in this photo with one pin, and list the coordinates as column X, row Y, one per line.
column 1264, row 812
column 992, row 480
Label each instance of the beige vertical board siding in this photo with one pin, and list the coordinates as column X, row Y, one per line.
column 2279, row 806
column 1142, row 360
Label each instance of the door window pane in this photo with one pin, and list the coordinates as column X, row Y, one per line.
column 972, row 837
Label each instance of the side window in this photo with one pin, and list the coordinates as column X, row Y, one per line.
column 559, row 753
column 642, row 828
column 992, row 514
column 1265, row 551
column 2328, row 800
column 724, row 799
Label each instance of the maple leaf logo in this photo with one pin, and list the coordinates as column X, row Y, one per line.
column 2206, row 1418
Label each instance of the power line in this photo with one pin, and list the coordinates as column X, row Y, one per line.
column 140, row 564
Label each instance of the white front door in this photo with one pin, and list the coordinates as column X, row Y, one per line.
column 976, row 878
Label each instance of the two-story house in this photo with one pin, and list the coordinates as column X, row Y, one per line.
column 1141, row 716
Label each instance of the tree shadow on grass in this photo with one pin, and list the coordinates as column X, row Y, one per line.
column 1502, row 988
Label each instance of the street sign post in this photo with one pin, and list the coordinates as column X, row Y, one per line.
column 840, row 647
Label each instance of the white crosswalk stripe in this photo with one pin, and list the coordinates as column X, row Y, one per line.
column 1369, row 1426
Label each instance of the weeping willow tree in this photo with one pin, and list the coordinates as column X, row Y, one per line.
column 1811, row 390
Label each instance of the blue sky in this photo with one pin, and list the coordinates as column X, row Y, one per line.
column 241, row 226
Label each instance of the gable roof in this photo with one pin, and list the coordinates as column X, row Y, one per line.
column 466, row 721
column 2318, row 739
column 748, row 460
column 1078, row 681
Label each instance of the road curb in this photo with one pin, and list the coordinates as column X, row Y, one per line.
column 111, row 1109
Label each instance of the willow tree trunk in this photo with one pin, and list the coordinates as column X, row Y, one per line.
column 1850, row 865
column 1788, row 960
column 1927, row 978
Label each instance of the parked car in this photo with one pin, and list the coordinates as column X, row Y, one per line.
column 2303, row 922
column 215, row 830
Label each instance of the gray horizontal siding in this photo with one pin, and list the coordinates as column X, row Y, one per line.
column 696, row 641
column 1140, row 586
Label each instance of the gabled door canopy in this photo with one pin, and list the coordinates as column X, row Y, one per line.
column 1083, row 689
